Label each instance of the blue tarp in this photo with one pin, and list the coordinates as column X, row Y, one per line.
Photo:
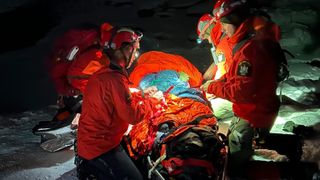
column 163, row 80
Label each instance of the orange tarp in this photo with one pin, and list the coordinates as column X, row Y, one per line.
column 155, row 61
column 179, row 111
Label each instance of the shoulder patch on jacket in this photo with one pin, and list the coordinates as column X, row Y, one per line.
column 244, row 69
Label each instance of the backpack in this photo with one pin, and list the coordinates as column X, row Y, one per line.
column 74, row 42
column 191, row 152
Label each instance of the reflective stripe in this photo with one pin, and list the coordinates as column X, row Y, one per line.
column 72, row 53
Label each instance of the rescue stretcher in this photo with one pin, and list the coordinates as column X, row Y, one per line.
column 181, row 139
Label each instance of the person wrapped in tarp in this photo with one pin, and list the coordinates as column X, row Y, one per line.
column 183, row 128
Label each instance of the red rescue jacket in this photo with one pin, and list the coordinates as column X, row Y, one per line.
column 107, row 111
column 263, row 29
column 250, row 82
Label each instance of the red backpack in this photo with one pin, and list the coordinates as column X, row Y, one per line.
column 73, row 43
column 67, row 47
column 76, row 40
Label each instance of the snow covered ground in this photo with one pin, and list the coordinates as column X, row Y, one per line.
column 168, row 26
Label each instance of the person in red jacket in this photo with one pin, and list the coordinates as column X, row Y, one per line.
column 209, row 28
column 74, row 58
column 108, row 108
column 250, row 84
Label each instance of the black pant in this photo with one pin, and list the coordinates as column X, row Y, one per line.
column 113, row 165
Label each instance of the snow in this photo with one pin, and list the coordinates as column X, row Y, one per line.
column 53, row 172
column 170, row 28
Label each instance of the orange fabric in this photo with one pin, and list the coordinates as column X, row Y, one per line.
column 224, row 55
column 179, row 111
column 223, row 52
column 92, row 67
column 155, row 61
column 83, row 67
column 216, row 33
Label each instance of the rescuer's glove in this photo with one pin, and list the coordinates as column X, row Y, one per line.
column 206, row 85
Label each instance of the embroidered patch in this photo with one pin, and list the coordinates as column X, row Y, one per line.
column 244, row 69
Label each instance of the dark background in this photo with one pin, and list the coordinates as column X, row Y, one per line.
column 29, row 27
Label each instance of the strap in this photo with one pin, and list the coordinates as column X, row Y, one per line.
column 288, row 52
column 241, row 43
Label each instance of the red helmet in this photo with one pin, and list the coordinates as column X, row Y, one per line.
column 116, row 37
column 203, row 24
column 228, row 6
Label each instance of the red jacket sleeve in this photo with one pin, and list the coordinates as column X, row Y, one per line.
column 126, row 108
column 236, row 89
column 235, row 86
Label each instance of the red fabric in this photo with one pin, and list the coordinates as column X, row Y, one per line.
column 264, row 30
column 75, row 37
column 254, row 97
column 57, row 62
column 155, row 61
column 107, row 111
column 84, row 66
column 175, row 165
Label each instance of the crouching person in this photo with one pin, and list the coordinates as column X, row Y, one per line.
column 107, row 111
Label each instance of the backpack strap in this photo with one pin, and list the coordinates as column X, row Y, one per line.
column 241, row 43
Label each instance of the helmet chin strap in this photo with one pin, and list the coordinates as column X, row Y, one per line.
column 128, row 60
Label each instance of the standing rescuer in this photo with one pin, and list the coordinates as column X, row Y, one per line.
column 107, row 111
column 210, row 28
column 250, row 83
